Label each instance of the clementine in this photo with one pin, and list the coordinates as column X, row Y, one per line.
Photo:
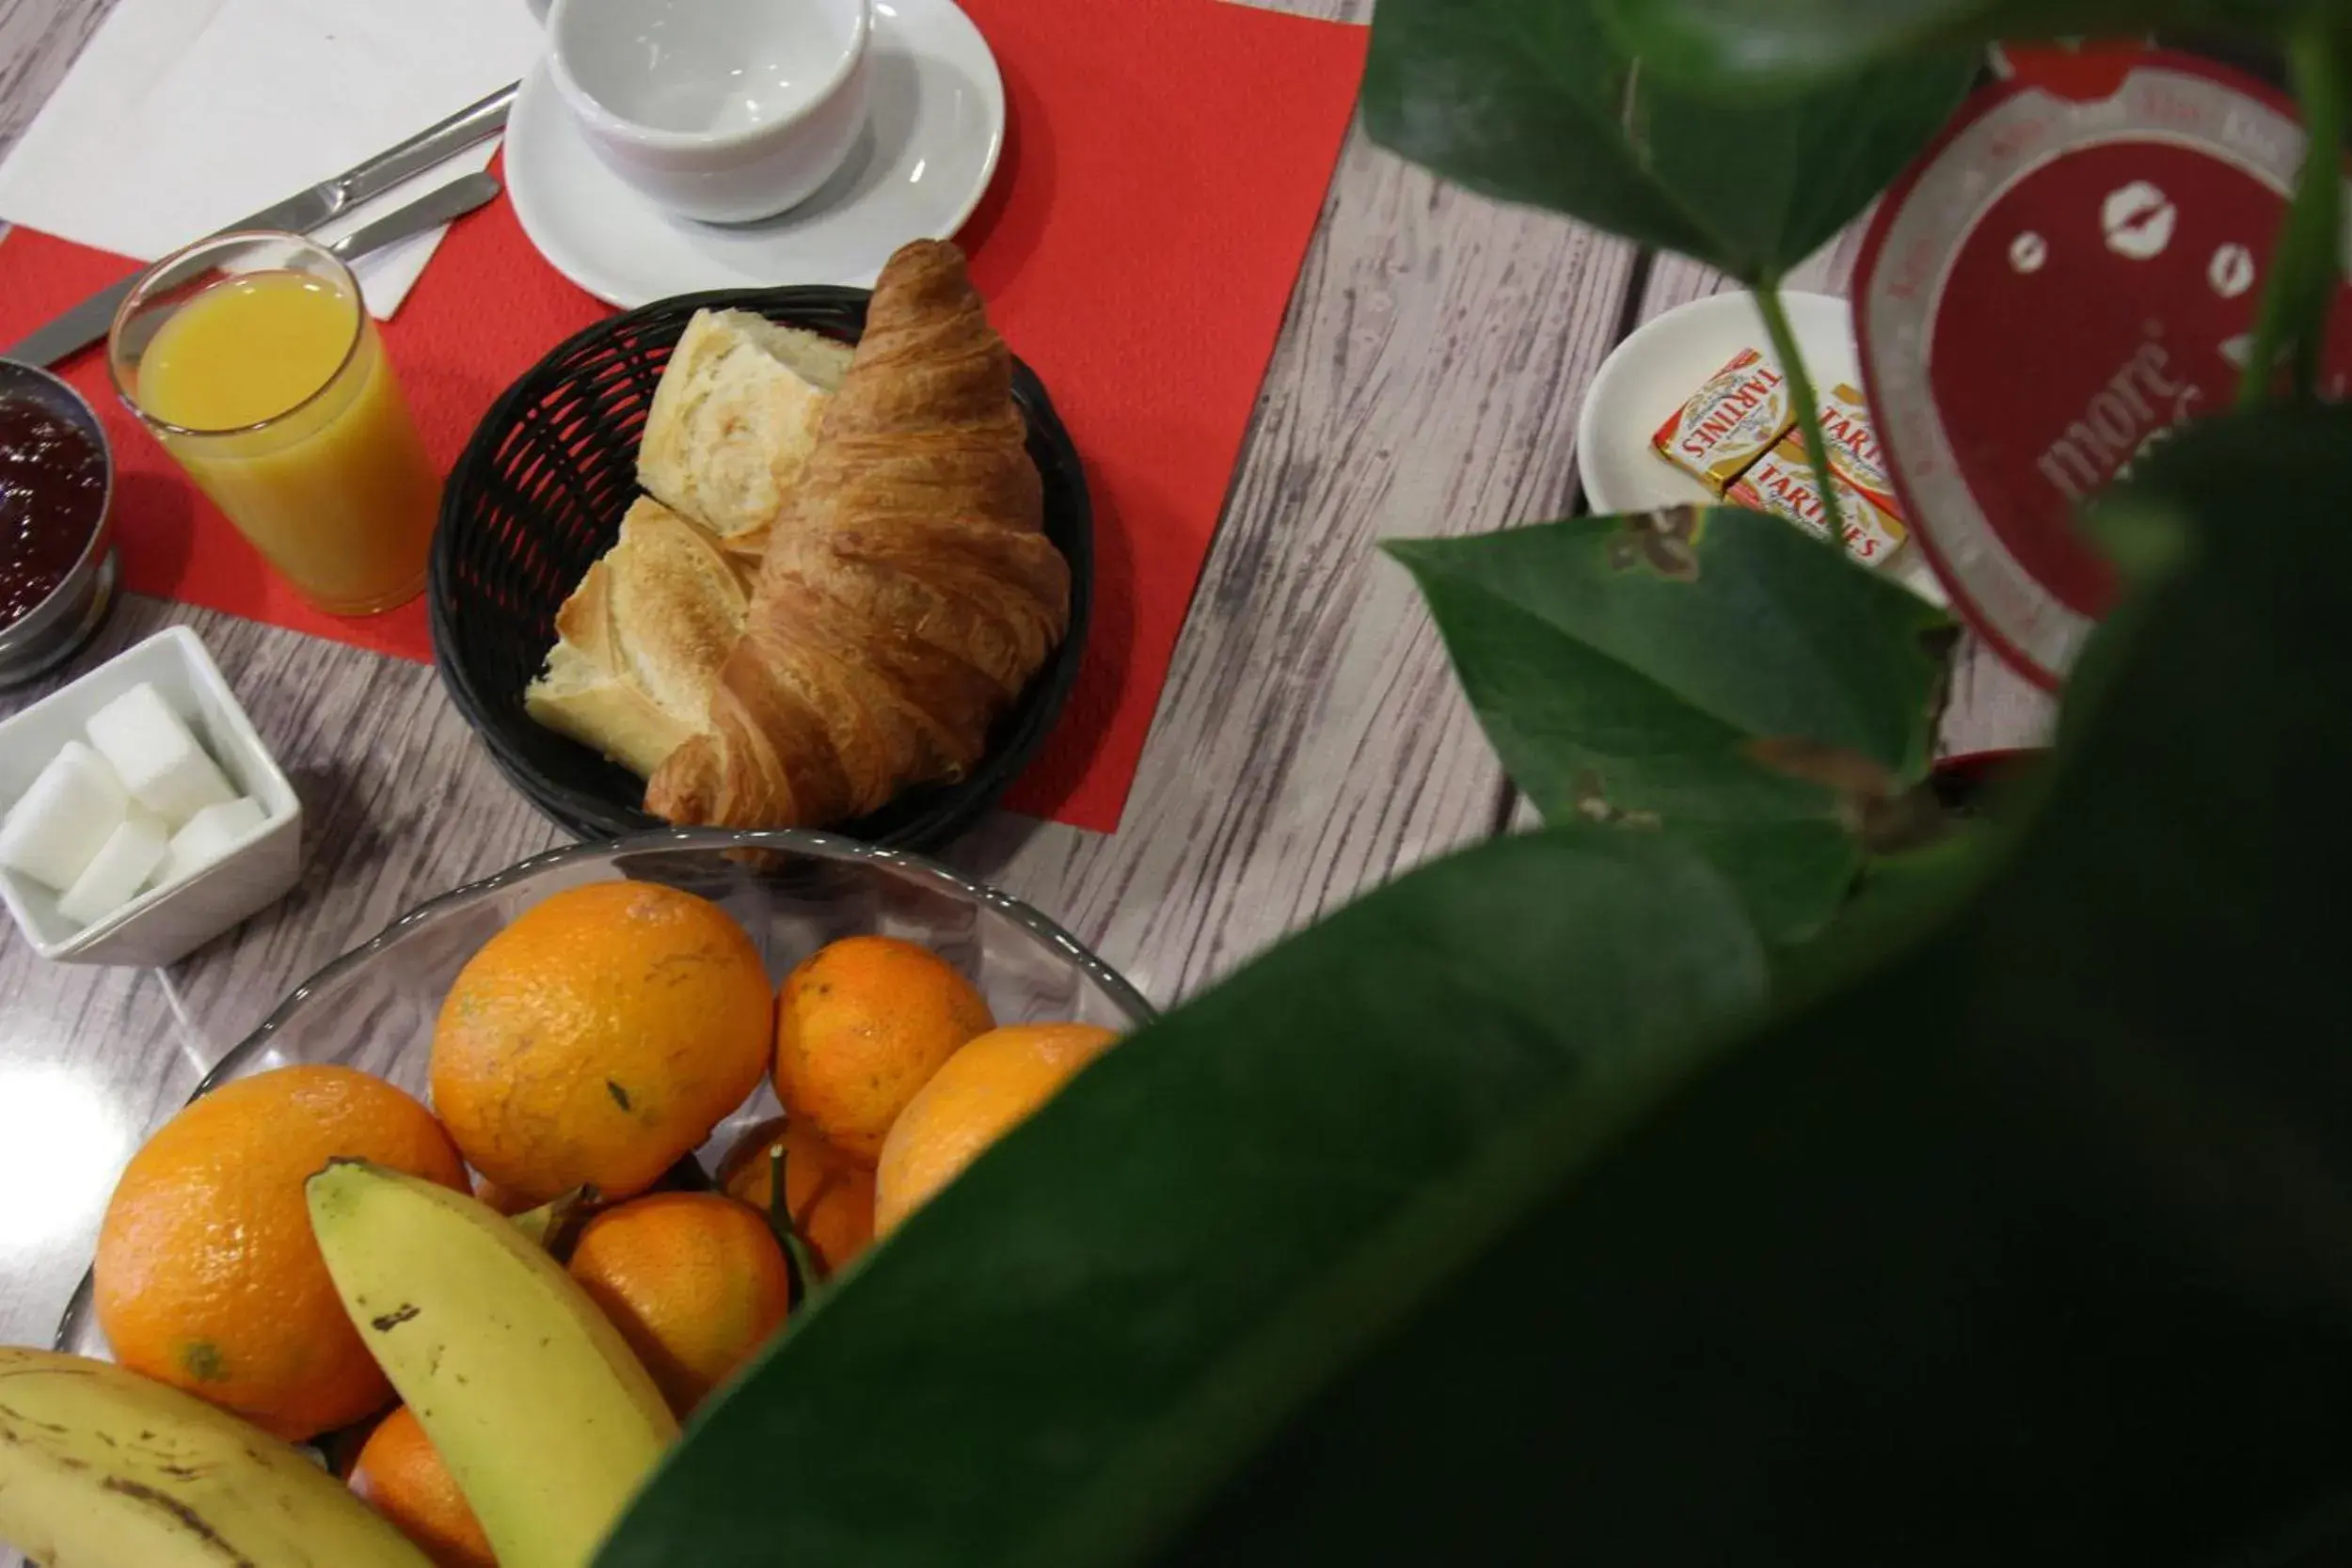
column 694, row 1281
column 861, row 1026
column 829, row 1196
column 598, row 1038
column 401, row 1476
column 207, row 1276
column 982, row 1092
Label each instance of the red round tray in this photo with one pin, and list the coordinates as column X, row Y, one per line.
column 2068, row 275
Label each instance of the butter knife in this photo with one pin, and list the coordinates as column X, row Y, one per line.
column 88, row 322
column 429, row 211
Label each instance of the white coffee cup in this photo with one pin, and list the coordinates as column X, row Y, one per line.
column 723, row 110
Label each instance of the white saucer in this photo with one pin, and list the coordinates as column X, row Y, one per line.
column 934, row 131
column 1655, row 369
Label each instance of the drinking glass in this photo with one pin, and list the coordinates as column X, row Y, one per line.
column 253, row 359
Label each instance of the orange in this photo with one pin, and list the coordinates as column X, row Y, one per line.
column 860, row 1026
column 694, row 1281
column 984, row 1091
column 829, row 1196
column 207, row 1276
column 599, row 1038
column 401, row 1476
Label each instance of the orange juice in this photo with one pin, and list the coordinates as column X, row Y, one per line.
column 273, row 391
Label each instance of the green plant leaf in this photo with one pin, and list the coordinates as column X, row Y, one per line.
column 1897, row 899
column 1742, row 45
column 1051, row 1360
column 1711, row 672
column 1450, row 1232
column 2304, row 265
column 2033, row 1246
column 1535, row 101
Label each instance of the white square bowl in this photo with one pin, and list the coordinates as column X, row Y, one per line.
column 162, row 925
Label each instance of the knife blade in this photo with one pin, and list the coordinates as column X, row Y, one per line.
column 301, row 213
column 429, row 211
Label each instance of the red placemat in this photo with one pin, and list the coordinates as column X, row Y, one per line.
column 1164, row 166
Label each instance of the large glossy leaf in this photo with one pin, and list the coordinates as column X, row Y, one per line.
column 1051, row 1360
column 1715, row 673
column 2032, row 1247
column 1535, row 101
column 1740, row 45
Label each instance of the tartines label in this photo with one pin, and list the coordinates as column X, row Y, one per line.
column 1853, row 446
column 1783, row 483
column 1738, row 417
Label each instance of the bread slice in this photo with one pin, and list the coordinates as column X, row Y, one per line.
column 733, row 419
column 639, row 642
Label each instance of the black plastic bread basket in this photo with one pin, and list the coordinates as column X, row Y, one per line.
column 538, row 494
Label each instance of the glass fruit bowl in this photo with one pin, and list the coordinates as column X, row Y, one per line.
column 374, row 1008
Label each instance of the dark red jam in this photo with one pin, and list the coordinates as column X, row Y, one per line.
column 52, row 487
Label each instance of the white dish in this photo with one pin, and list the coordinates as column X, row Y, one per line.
column 1656, row 368
column 724, row 110
column 935, row 125
column 164, row 924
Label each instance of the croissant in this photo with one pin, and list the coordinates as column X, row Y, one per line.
column 909, row 591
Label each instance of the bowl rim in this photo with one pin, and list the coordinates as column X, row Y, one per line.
column 601, row 116
column 798, row 841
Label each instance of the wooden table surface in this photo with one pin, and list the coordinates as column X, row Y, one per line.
column 1311, row 741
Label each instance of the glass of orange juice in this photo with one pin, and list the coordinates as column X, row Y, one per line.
column 254, row 361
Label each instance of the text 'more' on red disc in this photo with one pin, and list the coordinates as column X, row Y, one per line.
column 2048, row 292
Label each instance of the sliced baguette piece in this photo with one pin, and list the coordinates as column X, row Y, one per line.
column 641, row 639
column 733, row 419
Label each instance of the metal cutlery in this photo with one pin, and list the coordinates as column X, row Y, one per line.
column 432, row 210
column 305, row 210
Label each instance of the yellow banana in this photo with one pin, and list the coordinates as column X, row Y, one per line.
column 103, row 1469
column 544, row 1415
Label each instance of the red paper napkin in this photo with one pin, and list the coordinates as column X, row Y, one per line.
column 1164, row 166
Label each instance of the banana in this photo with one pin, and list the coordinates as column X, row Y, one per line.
column 556, row 1224
column 102, row 1469
column 544, row 1415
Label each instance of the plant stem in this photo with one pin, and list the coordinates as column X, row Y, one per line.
column 1808, row 406
column 2302, row 283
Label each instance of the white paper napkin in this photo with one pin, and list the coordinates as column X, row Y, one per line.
column 183, row 116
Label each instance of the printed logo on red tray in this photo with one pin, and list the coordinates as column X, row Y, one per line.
column 2056, row 285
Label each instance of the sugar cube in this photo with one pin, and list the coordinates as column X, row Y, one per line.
column 160, row 763
column 116, row 872
column 73, row 808
column 209, row 834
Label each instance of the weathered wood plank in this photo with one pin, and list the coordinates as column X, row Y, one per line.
column 399, row 803
column 1311, row 740
column 39, row 39
column 1330, row 11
